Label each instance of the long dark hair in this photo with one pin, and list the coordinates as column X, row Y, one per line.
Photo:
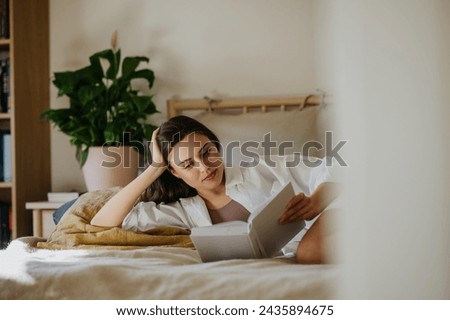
column 168, row 188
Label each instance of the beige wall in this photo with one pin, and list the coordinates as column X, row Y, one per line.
column 196, row 47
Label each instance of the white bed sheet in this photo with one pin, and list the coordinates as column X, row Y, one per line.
column 154, row 273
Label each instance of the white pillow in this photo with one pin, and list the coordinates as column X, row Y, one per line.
column 291, row 129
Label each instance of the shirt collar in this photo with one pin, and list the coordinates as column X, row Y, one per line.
column 197, row 210
column 233, row 176
column 197, row 207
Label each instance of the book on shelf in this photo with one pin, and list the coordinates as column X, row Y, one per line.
column 61, row 196
column 5, row 224
column 5, row 156
column 4, row 19
column 5, row 101
column 261, row 237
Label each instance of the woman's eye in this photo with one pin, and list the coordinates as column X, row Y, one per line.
column 187, row 165
column 210, row 151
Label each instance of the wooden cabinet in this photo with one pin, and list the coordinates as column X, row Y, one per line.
column 28, row 50
column 43, row 224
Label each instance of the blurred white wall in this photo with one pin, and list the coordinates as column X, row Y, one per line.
column 196, row 47
column 387, row 64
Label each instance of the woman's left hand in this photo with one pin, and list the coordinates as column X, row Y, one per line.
column 300, row 207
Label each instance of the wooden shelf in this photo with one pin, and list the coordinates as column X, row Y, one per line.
column 28, row 51
column 5, row 185
column 5, row 42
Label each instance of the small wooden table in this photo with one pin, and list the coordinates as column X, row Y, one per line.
column 43, row 224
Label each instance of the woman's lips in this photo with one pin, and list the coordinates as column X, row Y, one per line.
column 210, row 176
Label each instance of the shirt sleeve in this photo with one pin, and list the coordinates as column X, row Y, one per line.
column 307, row 173
column 323, row 172
column 147, row 215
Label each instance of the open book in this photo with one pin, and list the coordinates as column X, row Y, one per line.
column 261, row 237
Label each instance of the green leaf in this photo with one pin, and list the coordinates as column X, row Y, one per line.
column 146, row 74
column 81, row 155
column 113, row 60
column 112, row 133
column 86, row 76
column 112, row 96
column 130, row 64
column 142, row 103
column 89, row 93
column 65, row 82
column 59, row 117
column 116, row 65
column 96, row 65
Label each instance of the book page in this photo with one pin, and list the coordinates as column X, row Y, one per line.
column 271, row 235
column 224, row 228
column 231, row 242
column 261, row 237
column 225, row 240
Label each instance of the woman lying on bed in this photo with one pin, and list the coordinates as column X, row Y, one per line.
column 187, row 185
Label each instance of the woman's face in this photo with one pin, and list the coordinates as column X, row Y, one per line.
column 197, row 161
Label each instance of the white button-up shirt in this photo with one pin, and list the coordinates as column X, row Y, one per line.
column 250, row 186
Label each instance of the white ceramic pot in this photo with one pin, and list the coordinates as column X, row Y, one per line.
column 108, row 167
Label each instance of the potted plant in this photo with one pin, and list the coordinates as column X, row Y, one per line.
column 106, row 116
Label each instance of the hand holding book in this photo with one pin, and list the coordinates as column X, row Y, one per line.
column 303, row 207
column 262, row 237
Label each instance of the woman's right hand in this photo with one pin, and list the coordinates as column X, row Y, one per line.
column 157, row 157
column 115, row 210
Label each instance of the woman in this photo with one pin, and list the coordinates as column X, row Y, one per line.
column 187, row 185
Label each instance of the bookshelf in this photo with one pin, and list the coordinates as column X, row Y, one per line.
column 27, row 47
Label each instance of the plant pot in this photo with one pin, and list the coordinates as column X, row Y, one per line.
column 107, row 167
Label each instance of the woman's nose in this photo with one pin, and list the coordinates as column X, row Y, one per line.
column 202, row 165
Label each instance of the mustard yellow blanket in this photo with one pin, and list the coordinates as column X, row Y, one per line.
column 75, row 231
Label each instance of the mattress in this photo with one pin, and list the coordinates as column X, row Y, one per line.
column 27, row 272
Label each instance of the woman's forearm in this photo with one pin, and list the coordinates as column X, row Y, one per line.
column 115, row 210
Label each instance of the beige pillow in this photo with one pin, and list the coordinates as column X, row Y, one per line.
column 75, row 231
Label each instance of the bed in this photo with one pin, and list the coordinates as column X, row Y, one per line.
column 80, row 261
